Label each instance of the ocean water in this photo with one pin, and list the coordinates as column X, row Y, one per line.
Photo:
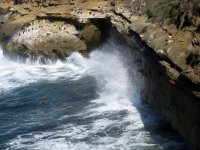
column 83, row 103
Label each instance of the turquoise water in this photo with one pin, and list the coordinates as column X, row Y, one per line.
column 81, row 104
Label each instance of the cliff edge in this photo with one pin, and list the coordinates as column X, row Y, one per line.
column 166, row 32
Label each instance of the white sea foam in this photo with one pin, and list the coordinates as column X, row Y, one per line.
column 13, row 74
column 116, row 94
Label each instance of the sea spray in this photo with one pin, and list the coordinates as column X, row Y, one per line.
column 82, row 103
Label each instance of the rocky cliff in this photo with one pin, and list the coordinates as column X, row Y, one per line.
column 167, row 33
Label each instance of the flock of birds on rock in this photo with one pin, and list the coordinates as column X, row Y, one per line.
column 75, row 9
column 31, row 26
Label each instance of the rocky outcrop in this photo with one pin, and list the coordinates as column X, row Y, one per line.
column 170, row 47
column 29, row 31
column 52, row 39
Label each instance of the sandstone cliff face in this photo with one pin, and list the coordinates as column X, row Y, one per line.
column 31, row 30
column 55, row 28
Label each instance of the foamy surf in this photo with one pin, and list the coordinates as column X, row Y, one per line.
column 81, row 104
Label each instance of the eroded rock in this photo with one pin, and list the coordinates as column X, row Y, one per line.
column 52, row 39
column 173, row 74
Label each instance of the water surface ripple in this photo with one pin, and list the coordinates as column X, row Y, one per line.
column 81, row 104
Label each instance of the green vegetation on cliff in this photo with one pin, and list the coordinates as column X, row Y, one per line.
column 181, row 12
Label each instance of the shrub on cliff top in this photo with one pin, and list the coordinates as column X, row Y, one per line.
column 163, row 9
column 180, row 12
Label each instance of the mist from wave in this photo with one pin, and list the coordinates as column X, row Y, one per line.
column 80, row 104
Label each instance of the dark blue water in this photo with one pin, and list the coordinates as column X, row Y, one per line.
column 43, row 107
column 81, row 104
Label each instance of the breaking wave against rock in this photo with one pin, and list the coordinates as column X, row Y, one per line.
column 82, row 103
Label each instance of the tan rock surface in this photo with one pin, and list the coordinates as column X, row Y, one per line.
column 175, row 47
column 166, row 40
